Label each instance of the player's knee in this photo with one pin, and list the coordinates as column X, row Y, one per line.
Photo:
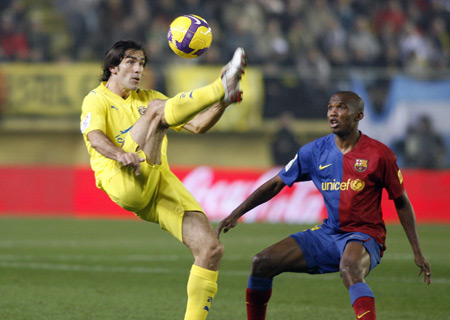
column 156, row 105
column 216, row 251
column 219, row 251
column 211, row 254
column 261, row 265
column 155, row 111
column 351, row 269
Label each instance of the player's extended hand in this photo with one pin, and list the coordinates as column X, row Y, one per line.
column 226, row 224
column 425, row 268
column 130, row 159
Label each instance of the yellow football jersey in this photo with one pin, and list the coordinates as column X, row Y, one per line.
column 156, row 195
column 106, row 111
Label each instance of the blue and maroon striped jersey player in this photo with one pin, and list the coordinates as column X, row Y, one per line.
column 351, row 183
column 350, row 170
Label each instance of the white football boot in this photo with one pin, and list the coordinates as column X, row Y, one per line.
column 231, row 76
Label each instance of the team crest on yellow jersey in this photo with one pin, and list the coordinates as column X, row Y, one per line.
column 142, row 110
column 360, row 165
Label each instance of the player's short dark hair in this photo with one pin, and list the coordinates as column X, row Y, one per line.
column 114, row 56
column 353, row 99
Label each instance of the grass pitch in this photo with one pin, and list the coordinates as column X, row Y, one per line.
column 111, row 269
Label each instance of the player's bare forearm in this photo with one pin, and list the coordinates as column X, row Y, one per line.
column 101, row 143
column 406, row 216
column 263, row 194
column 206, row 119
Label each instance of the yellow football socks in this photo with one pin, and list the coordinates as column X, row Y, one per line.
column 201, row 289
column 184, row 106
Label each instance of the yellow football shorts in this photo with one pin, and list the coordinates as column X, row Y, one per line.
column 156, row 195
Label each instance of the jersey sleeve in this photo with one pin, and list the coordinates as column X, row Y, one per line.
column 298, row 168
column 93, row 113
column 393, row 180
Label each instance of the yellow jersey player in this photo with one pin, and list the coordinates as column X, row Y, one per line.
column 124, row 128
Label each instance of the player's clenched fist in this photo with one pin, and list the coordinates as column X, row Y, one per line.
column 129, row 159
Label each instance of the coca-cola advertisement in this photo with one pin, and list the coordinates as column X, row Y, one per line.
column 68, row 191
column 220, row 191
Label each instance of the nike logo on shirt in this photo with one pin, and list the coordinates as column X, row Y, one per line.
column 325, row 166
column 359, row 316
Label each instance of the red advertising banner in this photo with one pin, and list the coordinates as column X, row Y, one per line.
column 66, row 191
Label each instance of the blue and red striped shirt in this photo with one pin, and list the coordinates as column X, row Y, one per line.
column 351, row 183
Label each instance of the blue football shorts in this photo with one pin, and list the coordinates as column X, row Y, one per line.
column 323, row 250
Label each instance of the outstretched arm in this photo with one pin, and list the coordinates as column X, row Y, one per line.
column 264, row 193
column 407, row 219
column 206, row 119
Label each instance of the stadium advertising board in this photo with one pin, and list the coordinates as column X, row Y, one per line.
column 48, row 89
column 72, row 192
column 51, row 90
column 243, row 117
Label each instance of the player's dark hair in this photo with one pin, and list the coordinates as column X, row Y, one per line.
column 114, row 56
column 352, row 97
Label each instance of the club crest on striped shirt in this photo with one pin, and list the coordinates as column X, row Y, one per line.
column 360, row 165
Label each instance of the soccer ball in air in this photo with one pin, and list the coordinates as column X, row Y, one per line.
column 189, row 36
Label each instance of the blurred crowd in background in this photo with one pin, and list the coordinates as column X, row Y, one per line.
column 310, row 39
column 312, row 35
column 302, row 46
